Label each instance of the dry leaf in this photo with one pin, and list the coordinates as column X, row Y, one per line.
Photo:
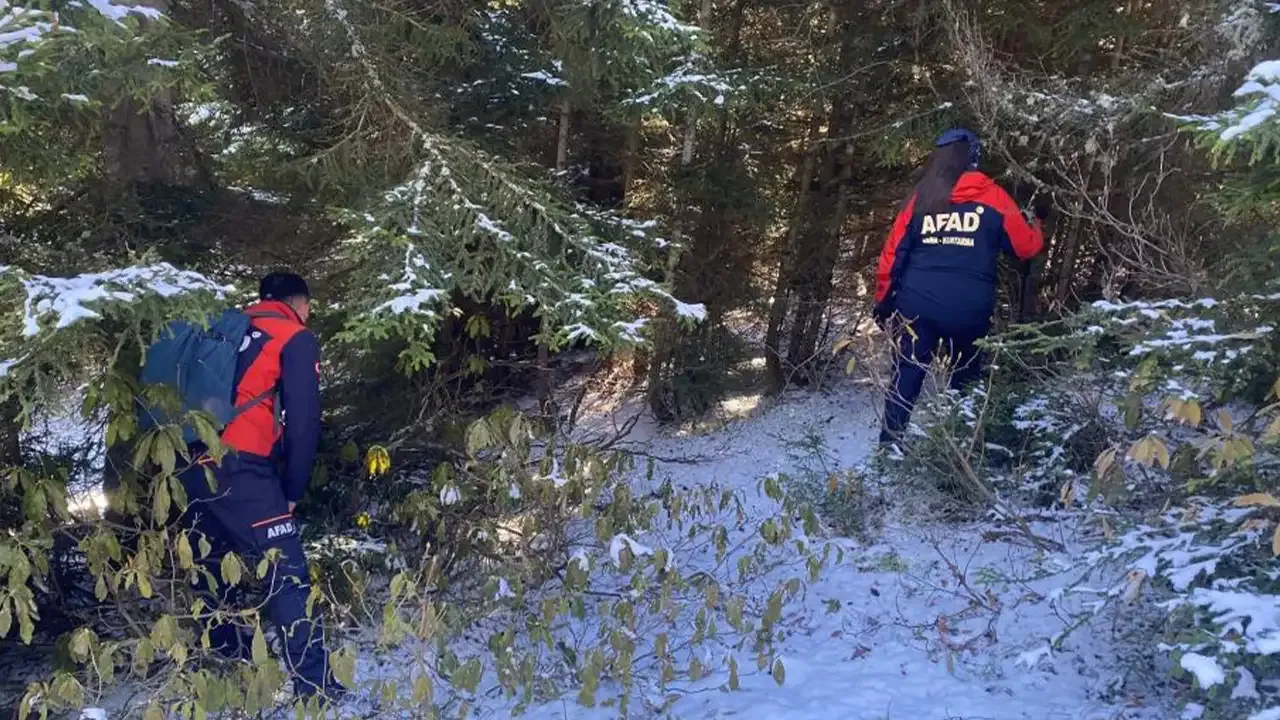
column 1253, row 523
column 1104, row 461
column 1275, row 542
column 1185, row 411
column 1066, row 494
column 1273, row 430
column 1150, row 451
column 1133, row 585
column 841, row 345
column 1260, row 499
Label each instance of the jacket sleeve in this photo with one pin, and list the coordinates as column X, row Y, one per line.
column 888, row 255
column 1025, row 240
column 300, row 401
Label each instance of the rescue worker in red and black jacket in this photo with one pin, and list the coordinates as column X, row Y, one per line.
column 271, row 446
column 936, row 278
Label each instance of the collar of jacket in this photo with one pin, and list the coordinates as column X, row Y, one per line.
column 275, row 306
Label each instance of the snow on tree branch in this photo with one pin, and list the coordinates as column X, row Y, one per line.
column 64, row 301
column 1259, row 96
column 687, row 79
column 24, row 29
column 653, row 12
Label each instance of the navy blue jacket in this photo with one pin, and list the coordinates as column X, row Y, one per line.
column 943, row 266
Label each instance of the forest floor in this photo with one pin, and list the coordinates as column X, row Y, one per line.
column 923, row 619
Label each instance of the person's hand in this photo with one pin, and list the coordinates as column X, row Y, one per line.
column 292, row 505
column 1043, row 208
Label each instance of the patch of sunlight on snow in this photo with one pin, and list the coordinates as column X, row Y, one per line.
column 741, row 406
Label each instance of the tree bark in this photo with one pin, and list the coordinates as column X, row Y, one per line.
column 632, row 160
column 1071, row 246
column 145, row 145
column 780, row 304
column 826, row 262
column 562, row 143
column 691, row 129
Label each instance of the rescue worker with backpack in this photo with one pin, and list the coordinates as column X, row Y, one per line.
column 257, row 372
column 936, row 279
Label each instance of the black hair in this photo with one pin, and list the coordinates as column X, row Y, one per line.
column 283, row 286
column 938, row 178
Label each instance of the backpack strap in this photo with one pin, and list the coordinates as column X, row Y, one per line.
column 251, row 403
column 261, row 397
column 268, row 314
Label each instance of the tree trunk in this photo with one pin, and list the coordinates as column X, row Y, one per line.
column 826, row 263
column 631, row 161
column 782, row 290
column 546, row 402
column 814, row 247
column 785, row 287
column 691, row 129
column 562, row 144
column 1071, row 247
column 145, row 145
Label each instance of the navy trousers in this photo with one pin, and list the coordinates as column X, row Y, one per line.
column 246, row 513
column 918, row 340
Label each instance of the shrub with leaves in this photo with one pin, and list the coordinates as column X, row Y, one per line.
column 1159, row 423
column 524, row 569
column 574, row 579
column 843, row 498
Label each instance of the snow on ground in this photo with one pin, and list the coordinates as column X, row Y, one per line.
column 924, row 621
column 927, row 622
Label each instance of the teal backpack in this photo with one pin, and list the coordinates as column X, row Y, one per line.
column 198, row 361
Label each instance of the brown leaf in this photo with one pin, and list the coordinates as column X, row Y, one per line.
column 1258, row 499
column 1273, row 430
column 1066, row 494
column 1253, row 523
column 1104, row 461
column 1133, row 585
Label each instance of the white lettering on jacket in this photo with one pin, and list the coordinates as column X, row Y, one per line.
column 951, row 222
column 280, row 530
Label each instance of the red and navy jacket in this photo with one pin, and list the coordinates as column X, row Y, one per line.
column 943, row 266
column 279, row 354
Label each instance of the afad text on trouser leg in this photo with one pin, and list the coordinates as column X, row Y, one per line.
column 289, row 588
column 274, row 528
